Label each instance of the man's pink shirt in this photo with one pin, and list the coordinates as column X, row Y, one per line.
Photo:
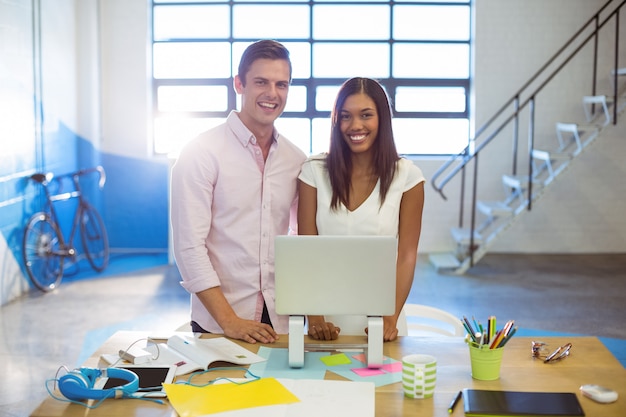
column 227, row 206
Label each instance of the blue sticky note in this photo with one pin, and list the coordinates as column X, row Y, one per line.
column 277, row 365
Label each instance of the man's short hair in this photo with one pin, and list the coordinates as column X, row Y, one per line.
column 263, row 49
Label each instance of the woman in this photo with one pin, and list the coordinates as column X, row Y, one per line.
column 362, row 187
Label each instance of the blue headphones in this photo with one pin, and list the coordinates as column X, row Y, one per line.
column 78, row 384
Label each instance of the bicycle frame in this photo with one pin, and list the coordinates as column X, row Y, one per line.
column 67, row 249
column 45, row 247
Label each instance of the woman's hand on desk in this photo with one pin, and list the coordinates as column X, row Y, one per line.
column 390, row 331
column 320, row 329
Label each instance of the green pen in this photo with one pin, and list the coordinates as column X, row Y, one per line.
column 506, row 339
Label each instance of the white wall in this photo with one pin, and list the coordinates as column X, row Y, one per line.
column 125, row 89
column 59, row 63
column 584, row 211
column 88, row 124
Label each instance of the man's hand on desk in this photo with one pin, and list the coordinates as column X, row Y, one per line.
column 233, row 326
column 250, row 331
column 320, row 329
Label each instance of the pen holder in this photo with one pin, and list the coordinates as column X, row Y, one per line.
column 485, row 362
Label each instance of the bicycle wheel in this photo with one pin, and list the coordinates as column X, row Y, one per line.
column 41, row 252
column 94, row 237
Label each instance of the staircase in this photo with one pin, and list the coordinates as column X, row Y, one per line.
column 489, row 219
column 495, row 217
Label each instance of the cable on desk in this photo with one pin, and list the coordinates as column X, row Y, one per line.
column 213, row 381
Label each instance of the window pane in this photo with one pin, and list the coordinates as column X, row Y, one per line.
column 430, row 1
column 345, row 60
column 172, row 133
column 320, row 136
column 430, row 60
column 299, row 53
column 186, row 98
column 351, row 22
column 296, row 100
column 431, row 22
column 187, row 1
column 430, row 99
column 325, row 97
column 430, row 136
column 271, row 21
column 263, row 1
column 297, row 130
column 191, row 60
column 186, row 22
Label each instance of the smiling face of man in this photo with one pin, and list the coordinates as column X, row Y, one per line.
column 263, row 93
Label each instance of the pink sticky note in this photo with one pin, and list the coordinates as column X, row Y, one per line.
column 360, row 357
column 367, row 371
column 393, row 367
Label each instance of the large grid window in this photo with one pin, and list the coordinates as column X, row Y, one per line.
column 418, row 50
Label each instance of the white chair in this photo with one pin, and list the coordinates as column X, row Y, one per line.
column 185, row 327
column 422, row 320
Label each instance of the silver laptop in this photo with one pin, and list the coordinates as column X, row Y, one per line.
column 322, row 275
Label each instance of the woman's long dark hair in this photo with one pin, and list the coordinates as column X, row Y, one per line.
column 339, row 162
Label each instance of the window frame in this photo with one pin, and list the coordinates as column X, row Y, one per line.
column 311, row 83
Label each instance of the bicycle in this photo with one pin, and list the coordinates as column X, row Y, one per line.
column 44, row 247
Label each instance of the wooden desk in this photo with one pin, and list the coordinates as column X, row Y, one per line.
column 589, row 362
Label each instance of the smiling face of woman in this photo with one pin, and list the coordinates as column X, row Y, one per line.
column 359, row 122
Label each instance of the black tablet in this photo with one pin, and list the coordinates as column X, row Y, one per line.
column 150, row 377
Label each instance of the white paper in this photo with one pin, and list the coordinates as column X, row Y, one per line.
column 168, row 356
column 318, row 398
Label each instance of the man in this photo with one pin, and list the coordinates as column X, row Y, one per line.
column 234, row 188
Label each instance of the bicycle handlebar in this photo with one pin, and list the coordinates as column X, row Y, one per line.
column 99, row 169
column 45, row 178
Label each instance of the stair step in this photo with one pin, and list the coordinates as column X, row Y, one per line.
column 441, row 261
column 462, row 236
column 494, row 208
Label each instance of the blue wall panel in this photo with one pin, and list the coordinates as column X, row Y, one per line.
column 136, row 202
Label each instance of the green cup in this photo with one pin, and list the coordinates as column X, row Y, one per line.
column 485, row 362
column 419, row 374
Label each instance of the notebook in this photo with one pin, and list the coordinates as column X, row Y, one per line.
column 323, row 275
column 516, row 403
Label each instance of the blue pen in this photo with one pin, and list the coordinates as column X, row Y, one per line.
column 469, row 326
column 475, row 323
column 469, row 331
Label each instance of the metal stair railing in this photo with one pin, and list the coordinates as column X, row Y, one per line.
column 510, row 113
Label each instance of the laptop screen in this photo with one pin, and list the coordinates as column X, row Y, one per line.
column 323, row 275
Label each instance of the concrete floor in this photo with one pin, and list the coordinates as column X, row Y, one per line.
column 581, row 294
